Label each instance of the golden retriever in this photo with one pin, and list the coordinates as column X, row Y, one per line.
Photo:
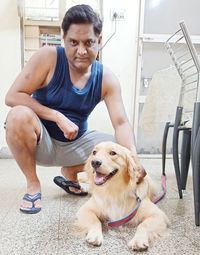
column 116, row 180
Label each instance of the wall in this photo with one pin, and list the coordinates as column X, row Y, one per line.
column 161, row 19
column 119, row 55
column 10, row 60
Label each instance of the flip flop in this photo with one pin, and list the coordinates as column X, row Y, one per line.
column 66, row 184
column 32, row 199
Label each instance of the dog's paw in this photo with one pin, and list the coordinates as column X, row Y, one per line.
column 137, row 244
column 94, row 238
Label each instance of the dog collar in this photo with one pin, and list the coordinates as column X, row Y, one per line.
column 126, row 219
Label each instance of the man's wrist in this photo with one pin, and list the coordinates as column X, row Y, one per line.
column 57, row 116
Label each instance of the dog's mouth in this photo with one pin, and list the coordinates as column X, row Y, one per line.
column 103, row 178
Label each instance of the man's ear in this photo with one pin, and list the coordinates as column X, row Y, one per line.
column 100, row 39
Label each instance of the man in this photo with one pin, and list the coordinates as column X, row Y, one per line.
column 51, row 100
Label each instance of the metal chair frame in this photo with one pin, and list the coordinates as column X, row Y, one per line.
column 184, row 57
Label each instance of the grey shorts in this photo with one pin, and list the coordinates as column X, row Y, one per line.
column 51, row 152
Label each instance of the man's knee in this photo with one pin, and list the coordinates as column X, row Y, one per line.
column 22, row 124
column 22, row 121
column 19, row 116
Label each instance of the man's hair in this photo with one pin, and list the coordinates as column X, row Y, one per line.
column 82, row 14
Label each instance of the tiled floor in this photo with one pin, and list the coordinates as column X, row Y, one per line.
column 51, row 231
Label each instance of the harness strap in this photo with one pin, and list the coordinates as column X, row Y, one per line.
column 126, row 219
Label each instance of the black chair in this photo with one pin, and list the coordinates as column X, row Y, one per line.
column 187, row 117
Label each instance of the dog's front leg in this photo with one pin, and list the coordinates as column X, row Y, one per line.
column 88, row 220
column 140, row 241
column 148, row 231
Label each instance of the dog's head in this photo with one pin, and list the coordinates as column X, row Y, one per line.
column 110, row 161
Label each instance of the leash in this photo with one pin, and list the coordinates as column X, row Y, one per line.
column 126, row 219
column 164, row 188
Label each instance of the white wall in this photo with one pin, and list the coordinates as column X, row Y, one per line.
column 120, row 56
column 10, row 55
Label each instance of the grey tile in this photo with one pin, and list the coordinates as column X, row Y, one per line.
column 52, row 230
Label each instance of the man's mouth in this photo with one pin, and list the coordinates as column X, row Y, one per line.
column 103, row 178
column 81, row 59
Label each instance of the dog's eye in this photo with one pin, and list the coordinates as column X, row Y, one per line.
column 94, row 152
column 112, row 153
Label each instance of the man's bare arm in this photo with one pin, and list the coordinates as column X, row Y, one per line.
column 113, row 99
column 36, row 74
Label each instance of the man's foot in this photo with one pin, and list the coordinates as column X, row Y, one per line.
column 31, row 204
column 70, row 174
column 67, row 186
column 32, row 198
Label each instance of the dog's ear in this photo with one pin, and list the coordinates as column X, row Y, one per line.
column 89, row 173
column 140, row 174
column 87, row 167
column 132, row 166
column 135, row 169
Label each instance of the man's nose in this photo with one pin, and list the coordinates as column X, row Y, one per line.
column 82, row 49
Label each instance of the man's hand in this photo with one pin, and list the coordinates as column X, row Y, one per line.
column 69, row 129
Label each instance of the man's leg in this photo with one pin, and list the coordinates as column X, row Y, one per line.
column 80, row 151
column 22, row 132
column 70, row 173
column 75, row 154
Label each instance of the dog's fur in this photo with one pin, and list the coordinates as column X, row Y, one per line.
column 116, row 198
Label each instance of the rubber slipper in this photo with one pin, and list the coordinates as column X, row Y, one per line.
column 32, row 199
column 66, row 184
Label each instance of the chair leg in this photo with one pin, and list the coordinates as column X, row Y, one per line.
column 196, row 160
column 164, row 145
column 196, row 178
column 185, row 156
column 175, row 149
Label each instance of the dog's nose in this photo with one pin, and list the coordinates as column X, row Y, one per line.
column 96, row 163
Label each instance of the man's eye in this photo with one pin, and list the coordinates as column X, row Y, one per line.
column 90, row 43
column 112, row 153
column 73, row 43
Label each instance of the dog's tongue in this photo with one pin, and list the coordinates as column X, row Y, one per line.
column 99, row 178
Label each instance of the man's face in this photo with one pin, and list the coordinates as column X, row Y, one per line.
column 81, row 46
